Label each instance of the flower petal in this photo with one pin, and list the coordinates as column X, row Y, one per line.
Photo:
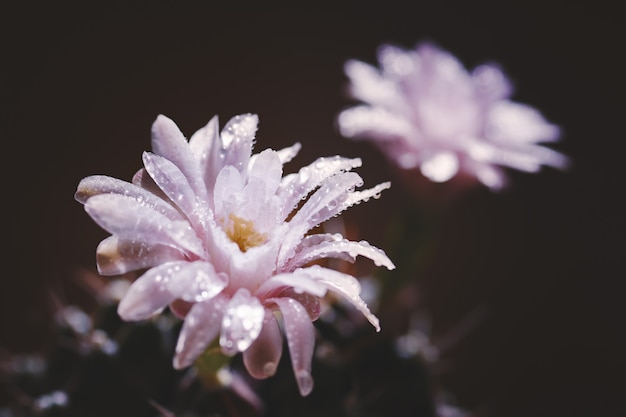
column 170, row 143
column 237, row 139
column 262, row 357
column 205, row 144
column 174, row 184
column 383, row 124
column 345, row 285
column 242, row 322
column 101, row 184
column 320, row 246
column 115, row 256
column 202, row 324
column 300, row 335
column 129, row 219
column 161, row 285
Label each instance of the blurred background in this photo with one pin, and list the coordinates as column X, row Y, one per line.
column 538, row 269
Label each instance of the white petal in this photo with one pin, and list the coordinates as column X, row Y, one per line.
column 262, row 357
column 117, row 256
column 101, row 184
column 300, row 335
column 129, row 219
column 228, row 185
column 202, row 324
column 268, row 169
column 242, row 322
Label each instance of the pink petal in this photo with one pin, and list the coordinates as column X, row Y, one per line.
column 101, row 184
column 365, row 121
column 346, row 286
column 242, row 322
column 315, row 247
column 300, row 335
column 206, row 146
column 174, row 184
column 262, row 357
column 296, row 187
column 237, row 139
column 170, row 143
column 116, row 256
column 129, row 219
column 201, row 326
column 148, row 295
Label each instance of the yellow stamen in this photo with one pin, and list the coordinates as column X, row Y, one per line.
column 243, row 233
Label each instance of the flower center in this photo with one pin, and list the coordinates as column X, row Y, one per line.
column 243, row 233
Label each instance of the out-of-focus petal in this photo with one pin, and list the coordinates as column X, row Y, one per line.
column 242, row 322
column 518, row 123
column 300, row 335
column 262, row 357
column 202, row 325
column 364, row 122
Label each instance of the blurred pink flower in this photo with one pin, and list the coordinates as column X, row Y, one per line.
column 426, row 111
column 223, row 235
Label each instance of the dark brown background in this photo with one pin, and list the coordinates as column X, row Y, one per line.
column 80, row 86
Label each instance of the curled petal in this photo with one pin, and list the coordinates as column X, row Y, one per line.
column 295, row 187
column 315, row 247
column 129, row 219
column 299, row 280
column 318, row 208
column 300, row 335
column 242, row 322
column 115, row 256
column 262, row 357
column 202, row 325
column 346, row 286
column 287, row 154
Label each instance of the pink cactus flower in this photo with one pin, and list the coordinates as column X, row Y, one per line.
column 223, row 236
column 427, row 112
